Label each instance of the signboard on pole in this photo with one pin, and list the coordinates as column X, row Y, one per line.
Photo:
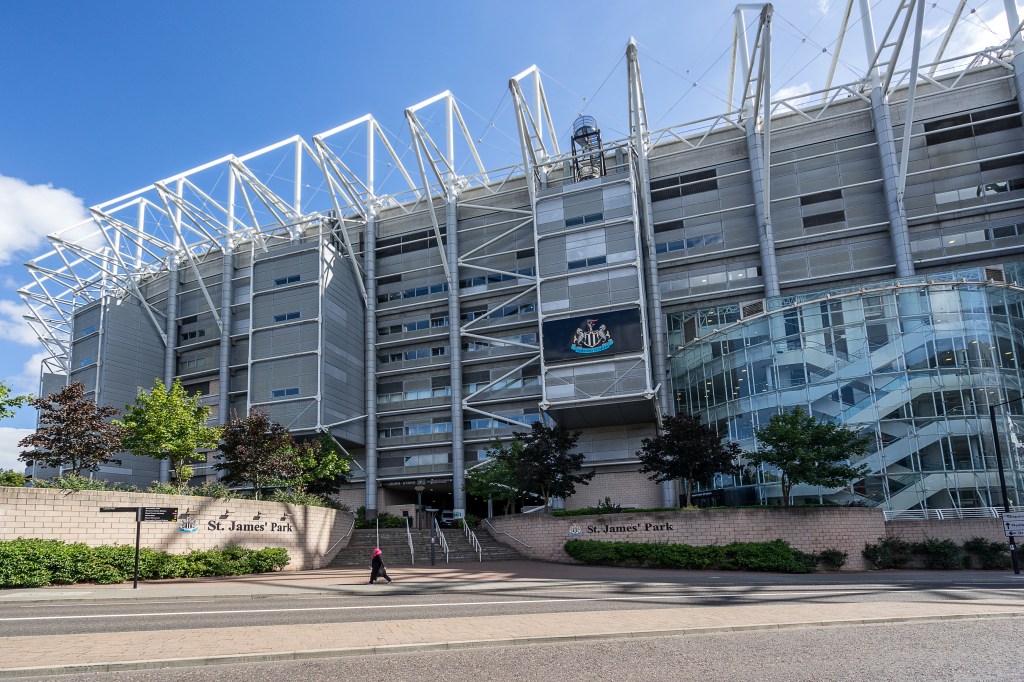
column 159, row 513
column 1013, row 524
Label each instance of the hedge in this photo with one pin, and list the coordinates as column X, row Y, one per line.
column 35, row 563
column 895, row 552
column 775, row 556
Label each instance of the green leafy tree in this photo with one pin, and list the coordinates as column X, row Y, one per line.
column 9, row 403
column 259, row 453
column 686, row 449
column 74, row 432
column 171, row 425
column 808, row 450
column 324, row 467
column 546, row 463
column 495, row 478
column 11, row 479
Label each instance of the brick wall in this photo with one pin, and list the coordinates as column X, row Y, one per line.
column 312, row 535
column 957, row 530
column 809, row 530
column 623, row 487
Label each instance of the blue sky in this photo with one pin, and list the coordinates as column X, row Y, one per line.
column 102, row 98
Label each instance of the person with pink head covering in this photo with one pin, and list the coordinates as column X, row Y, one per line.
column 377, row 569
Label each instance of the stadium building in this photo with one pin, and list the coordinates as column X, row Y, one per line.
column 855, row 251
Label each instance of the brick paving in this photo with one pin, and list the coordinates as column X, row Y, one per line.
column 49, row 653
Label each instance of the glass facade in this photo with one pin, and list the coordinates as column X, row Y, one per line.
column 913, row 363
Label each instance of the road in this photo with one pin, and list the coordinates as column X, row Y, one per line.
column 530, row 621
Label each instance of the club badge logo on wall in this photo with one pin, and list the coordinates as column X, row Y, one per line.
column 187, row 524
column 592, row 340
column 575, row 530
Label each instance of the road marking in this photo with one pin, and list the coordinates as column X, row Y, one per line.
column 385, row 606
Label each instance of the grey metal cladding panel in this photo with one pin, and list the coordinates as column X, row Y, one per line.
column 86, row 377
column 191, row 303
column 294, row 338
column 299, row 414
column 305, row 264
column 84, row 348
column 303, row 300
column 239, row 380
column 583, row 202
column 239, row 351
column 297, row 372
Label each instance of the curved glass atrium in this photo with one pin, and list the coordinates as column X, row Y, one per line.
column 914, row 363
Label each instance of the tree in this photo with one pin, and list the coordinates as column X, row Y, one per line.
column 807, row 450
column 259, row 453
column 171, row 425
column 495, row 478
column 74, row 432
column 687, row 449
column 11, row 478
column 9, row 403
column 324, row 467
column 545, row 464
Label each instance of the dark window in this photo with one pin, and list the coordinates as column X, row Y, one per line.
column 290, row 279
column 286, row 316
column 958, row 128
column 190, row 320
column 587, row 262
column 283, row 392
column 668, row 227
column 824, row 218
column 391, row 279
column 525, row 253
column 1005, row 231
column 819, row 197
column 993, row 164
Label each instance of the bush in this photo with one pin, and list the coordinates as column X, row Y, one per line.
column 943, row 555
column 832, row 558
column 209, row 489
column 73, row 482
column 34, row 563
column 384, row 519
column 990, row 554
column 295, row 497
column 591, row 511
column 775, row 556
column 890, row 552
column 11, row 479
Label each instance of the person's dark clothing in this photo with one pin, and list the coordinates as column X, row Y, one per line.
column 377, row 569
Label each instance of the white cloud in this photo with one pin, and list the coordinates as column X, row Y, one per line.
column 822, row 6
column 9, row 449
column 12, row 326
column 30, row 212
column 792, row 91
column 26, row 382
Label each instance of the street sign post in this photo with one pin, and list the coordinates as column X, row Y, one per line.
column 143, row 514
column 1013, row 524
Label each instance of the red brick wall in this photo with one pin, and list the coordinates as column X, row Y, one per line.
column 310, row 534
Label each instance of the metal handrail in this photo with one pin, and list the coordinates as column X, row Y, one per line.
column 348, row 534
column 471, row 536
column 443, row 542
column 501, row 532
column 943, row 514
column 408, row 535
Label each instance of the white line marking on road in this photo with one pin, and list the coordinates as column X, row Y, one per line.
column 385, row 606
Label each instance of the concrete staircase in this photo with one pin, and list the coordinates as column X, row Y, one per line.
column 395, row 546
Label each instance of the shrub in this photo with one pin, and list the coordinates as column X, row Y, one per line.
column 296, row 497
column 208, row 489
column 943, row 555
column 890, row 552
column 73, row 482
column 34, row 563
column 990, row 554
column 832, row 558
column 11, row 478
column 775, row 556
column 591, row 511
column 384, row 519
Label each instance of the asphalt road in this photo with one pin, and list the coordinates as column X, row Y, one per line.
column 986, row 650
column 391, row 604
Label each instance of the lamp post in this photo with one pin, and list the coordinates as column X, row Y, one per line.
column 1002, row 476
column 419, row 505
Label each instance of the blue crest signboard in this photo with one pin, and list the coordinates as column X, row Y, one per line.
column 592, row 336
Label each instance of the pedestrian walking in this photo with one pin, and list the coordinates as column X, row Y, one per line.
column 377, row 569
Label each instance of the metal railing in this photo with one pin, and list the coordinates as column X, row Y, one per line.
column 943, row 514
column 346, row 535
column 471, row 536
column 441, row 540
column 501, row 532
column 408, row 535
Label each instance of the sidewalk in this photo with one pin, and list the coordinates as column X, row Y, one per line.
column 53, row 654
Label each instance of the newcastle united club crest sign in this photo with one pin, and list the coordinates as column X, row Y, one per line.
column 592, row 340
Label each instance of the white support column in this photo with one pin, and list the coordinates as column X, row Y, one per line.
column 1013, row 23
column 226, row 295
column 762, row 203
column 170, row 353
column 370, row 361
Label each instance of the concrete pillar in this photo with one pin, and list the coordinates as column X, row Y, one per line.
column 226, row 296
column 898, row 230
column 455, row 349
column 170, row 354
column 370, row 362
column 762, row 210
